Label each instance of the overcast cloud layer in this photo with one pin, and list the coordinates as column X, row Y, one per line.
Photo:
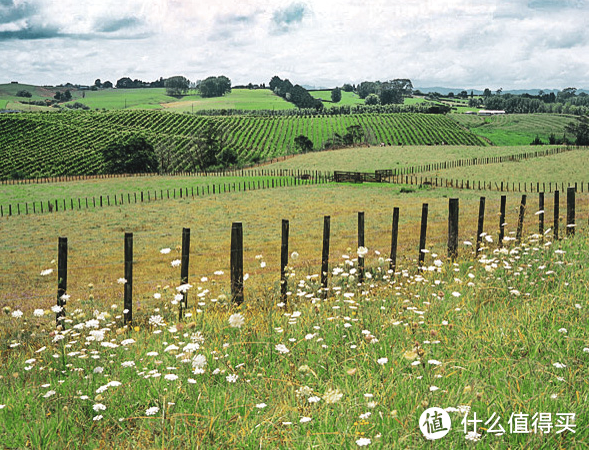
column 513, row 44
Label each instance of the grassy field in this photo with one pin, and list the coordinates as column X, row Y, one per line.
column 348, row 98
column 397, row 157
column 515, row 129
column 358, row 368
column 566, row 167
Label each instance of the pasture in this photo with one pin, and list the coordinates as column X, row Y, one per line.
column 355, row 369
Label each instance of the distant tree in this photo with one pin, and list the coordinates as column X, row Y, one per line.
column 580, row 129
column 207, row 148
column 499, row 91
column 166, row 156
column 463, row 94
column 366, row 88
column 372, row 99
column 98, row 83
column 131, row 155
column 336, row 95
column 66, row 96
column 125, row 83
column 487, row 92
column 177, row 86
column 450, row 94
column 275, row 82
column 24, row 93
column 348, row 88
column 354, row 135
column 107, row 85
column 214, row 86
column 303, row 144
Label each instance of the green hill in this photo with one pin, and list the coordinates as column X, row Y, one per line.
column 49, row 144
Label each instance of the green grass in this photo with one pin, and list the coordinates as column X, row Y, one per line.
column 566, row 167
column 378, row 158
column 487, row 333
column 242, row 99
column 515, row 129
column 348, row 98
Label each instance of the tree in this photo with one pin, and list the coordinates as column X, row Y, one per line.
column 98, row 83
column 580, row 129
column 177, row 86
column 125, row 83
column 131, row 155
column 214, row 86
column 303, row 144
column 24, row 93
column 336, row 95
column 487, row 93
column 348, row 88
column 107, row 85
column 372, row 99
column 207, row 148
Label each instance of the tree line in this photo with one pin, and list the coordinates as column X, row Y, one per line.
column 296, row 94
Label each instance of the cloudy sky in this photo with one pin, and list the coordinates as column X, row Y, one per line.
column 511, row 44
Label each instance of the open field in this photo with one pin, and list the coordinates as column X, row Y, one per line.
column 515, row 129
column 566, row 167
column 397, row 157
column 36, row 145
column 357, row 368
column 348, row 98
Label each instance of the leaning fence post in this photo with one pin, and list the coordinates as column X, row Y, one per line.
column 360, row 244
column 453, row 228
column 325, row 255
column 61, row 280
column 128, row 300
column 184, row 269
column 502, row 220
column 423, row 233
column 570, row 211
column 481, row 223
column 556, row 212
column 284, row 260
column 236, row 263
column 520, row 220
column 394, row 239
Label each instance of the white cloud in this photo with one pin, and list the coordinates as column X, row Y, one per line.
column 456, row 43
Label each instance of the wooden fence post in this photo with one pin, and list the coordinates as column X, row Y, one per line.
column 394, row 240
column 360, row 244
column 128, row 299
column 481, row 223
column 502, row 220
column 453, row 228
column 61, row 280
column 541, row 214
column 184, row 269
column 422, row 235
column 556, row 213
column 284, row 260
column 236, row 263
column 325, row 255
column 520, row 220
column 571, row 211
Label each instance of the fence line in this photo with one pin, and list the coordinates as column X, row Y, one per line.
column 237, row 250
column 46, row 206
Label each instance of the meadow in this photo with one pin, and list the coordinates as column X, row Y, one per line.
column 499, row 334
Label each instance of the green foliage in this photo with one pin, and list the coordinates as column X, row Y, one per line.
column 214, row 86
column 132, row 155
column 177, row 86
column 24, row 93
column 372, row 99
column 303, row 144
column 336, row 95
column 208, row 148
column 580, row 130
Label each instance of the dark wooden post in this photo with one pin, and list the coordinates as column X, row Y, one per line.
column 502, row 220
column 422, row 236
column 571, row 211
column 284, row 259
column 394, row 240
column 361, row 244
column 128, row 299
column 236, row 263
column 541, row 214
column 61, row 280
column 325, row 255
column 453, row 228
column 520, row 220
column 184, row 268
column 556, row 212
column 481, row 223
